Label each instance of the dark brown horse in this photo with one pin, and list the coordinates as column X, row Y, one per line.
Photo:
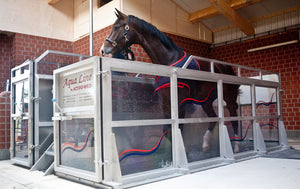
column 128, row 30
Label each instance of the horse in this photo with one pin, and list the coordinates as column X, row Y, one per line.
column 129, row 30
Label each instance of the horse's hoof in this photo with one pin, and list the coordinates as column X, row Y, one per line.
column 205, row 148
column 206, row 140
column 236, row 147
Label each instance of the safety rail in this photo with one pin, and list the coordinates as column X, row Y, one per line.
column 135, row 139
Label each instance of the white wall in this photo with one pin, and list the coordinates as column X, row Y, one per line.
column 36, row 17
column 103, row 16
column 164, row 14
column 167, row 17
column 69, row 19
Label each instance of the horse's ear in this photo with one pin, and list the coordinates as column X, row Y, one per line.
column 119, row 14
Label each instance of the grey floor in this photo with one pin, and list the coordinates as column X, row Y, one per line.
column 276, row 170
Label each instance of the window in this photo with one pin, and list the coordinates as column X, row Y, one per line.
column 100, row 3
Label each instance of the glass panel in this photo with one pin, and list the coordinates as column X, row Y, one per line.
column 45, row 138
column 54, row 61
column 269, row 128
column 230, row 95
column 198, row 64
column 245, row 101
column 192, row 93
column 136, row 98
column 266, row 104
column 22, row 70
column 45, row 102
column 270, row 77
column 242, row 137
column 21, row 138
column 143, row 148
column 77, row 144
column 193, row 137
column 250, row 73
column 21, row 97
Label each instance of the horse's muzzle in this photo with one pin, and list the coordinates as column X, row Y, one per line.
column 106, row 51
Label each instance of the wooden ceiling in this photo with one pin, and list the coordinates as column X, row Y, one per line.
column 52, row 2
column 220, row 15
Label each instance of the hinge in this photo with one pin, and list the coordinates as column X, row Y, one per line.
column 36, row 99
column 59, row 116
column 104, row 73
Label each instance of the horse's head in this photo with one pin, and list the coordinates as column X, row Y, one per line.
column 119, row 38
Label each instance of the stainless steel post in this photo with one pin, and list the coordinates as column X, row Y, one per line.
column 91, row 27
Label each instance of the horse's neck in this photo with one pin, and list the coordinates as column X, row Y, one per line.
column 158, row 53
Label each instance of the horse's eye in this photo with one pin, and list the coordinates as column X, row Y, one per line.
column 117, row 26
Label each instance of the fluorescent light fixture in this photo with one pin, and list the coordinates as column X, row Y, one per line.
column 273, row 46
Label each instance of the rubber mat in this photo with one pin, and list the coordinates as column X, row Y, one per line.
column 285, row 154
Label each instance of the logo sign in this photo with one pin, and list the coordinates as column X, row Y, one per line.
column 77, row 89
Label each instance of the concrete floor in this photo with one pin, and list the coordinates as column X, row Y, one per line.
column 265, row 173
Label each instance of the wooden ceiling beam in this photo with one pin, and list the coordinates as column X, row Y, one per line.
column 53, row 2
column 261, row 18
column 212, row 11
column 233, row 16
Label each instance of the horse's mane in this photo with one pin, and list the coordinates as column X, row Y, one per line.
column 147, row 27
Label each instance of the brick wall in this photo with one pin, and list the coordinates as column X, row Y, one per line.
column 191, row 46
column 284, row 60
column 30, row 47
column 5, row 60
column 82, row 46
column 4, row 120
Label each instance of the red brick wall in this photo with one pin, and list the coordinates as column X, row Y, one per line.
column 5, row 60
column 191, row 46
column 82, row 46
column 4, row 120
column 30, row 47
column 284, row 60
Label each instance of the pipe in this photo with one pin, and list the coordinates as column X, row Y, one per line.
column 91, row 27
column 273, row 46
column 271, row 32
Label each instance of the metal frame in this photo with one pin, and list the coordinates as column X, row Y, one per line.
column 27, row 116
column 111, row 168
column 91, row 111
column 34, row 122
column 37, row 123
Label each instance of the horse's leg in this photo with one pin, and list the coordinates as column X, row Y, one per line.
column 166, row 106
column 209, row 110
column 230, row 98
